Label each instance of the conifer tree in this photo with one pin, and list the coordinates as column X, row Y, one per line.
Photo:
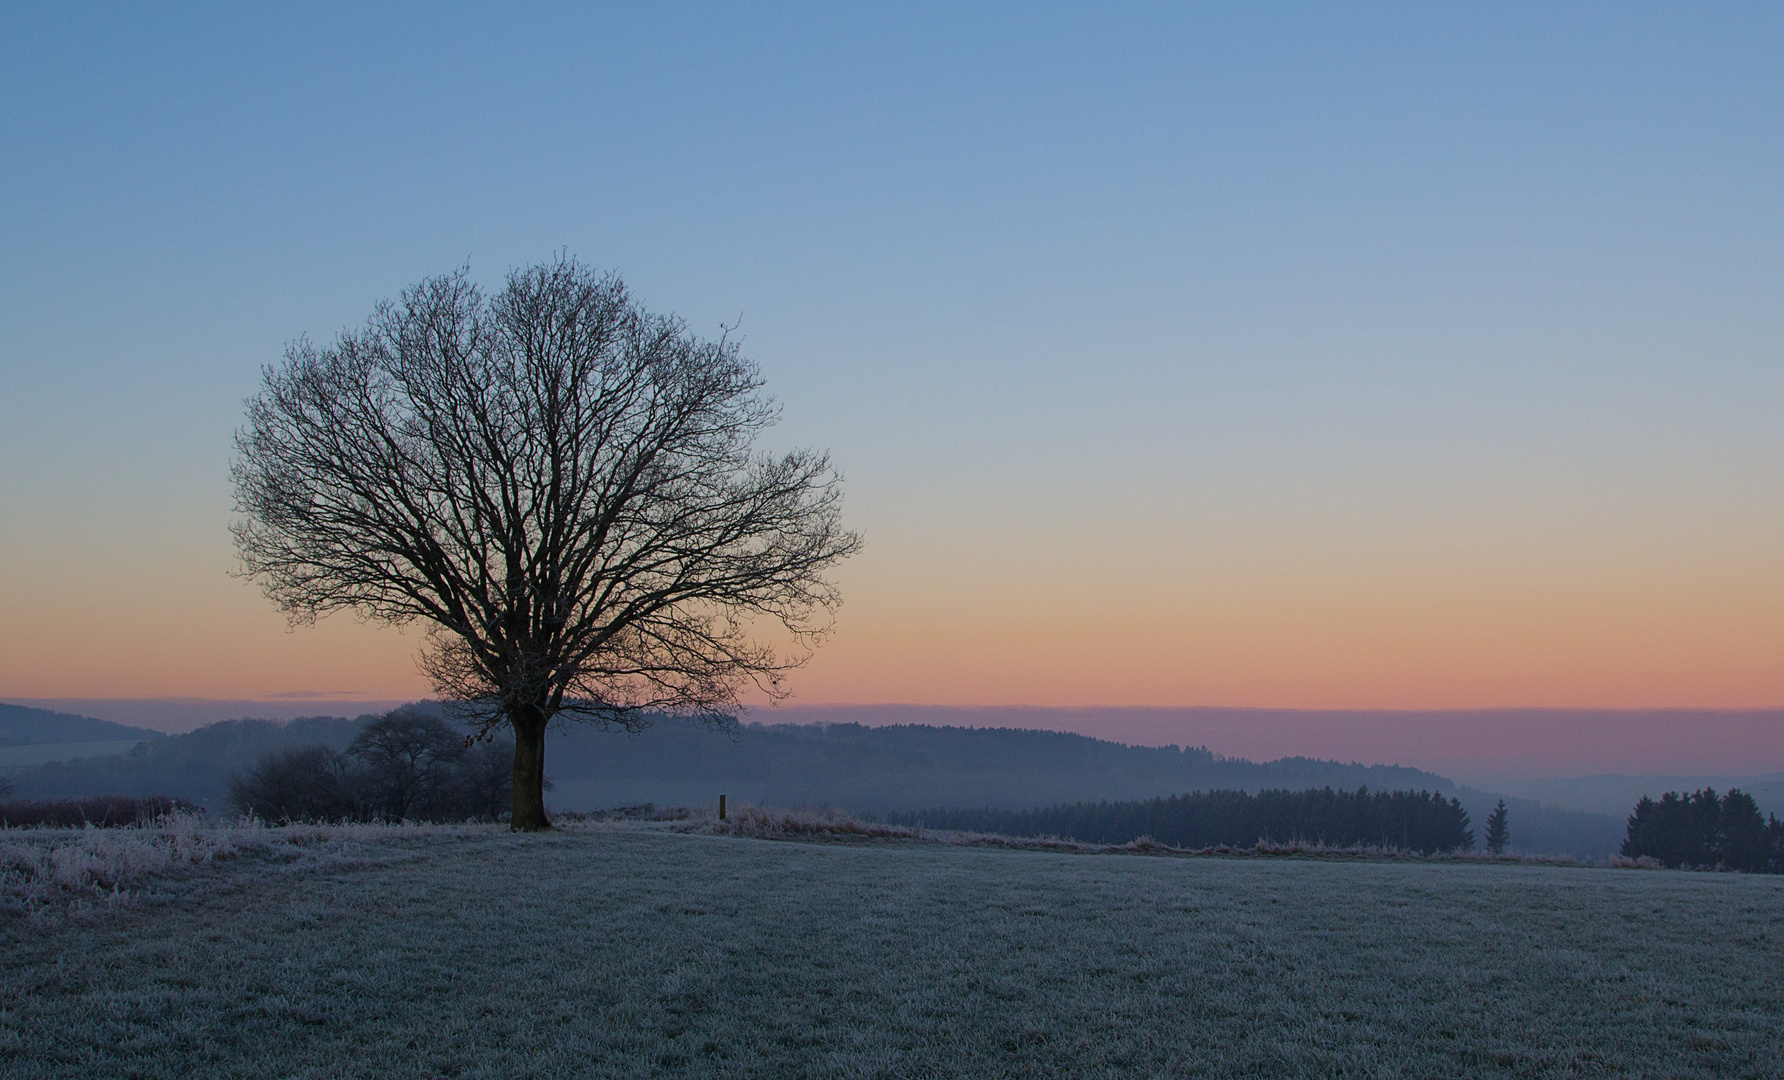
column 1497, row 833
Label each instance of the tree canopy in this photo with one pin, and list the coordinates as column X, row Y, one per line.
column 564, row 488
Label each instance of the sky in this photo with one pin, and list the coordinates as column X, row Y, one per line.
column 1292, row 356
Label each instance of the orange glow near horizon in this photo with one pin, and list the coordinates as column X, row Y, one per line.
column 1312, row 633
column 1599, row 626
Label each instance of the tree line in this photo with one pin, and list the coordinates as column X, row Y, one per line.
column 407, row 765
column 1705, row 831
column 864, row 770
column 1410, row 820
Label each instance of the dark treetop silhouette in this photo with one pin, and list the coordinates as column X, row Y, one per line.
column 562, row 486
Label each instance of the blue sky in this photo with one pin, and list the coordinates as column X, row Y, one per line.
column 1276, row 355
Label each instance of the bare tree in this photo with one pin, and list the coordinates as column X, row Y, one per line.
column 408, row 754
column 563, row 487
column 307, row 783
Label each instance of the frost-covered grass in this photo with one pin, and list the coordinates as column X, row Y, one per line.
column 629, row 949
column 51, row 873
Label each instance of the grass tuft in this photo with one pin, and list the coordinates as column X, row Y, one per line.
column 799, row 823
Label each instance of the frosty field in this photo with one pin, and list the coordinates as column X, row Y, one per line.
column 630, row 951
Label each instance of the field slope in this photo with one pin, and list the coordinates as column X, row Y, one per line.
column 627, row 951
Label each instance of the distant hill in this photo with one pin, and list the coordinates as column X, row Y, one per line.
column 22, row 726
column 194, row 766
column 1541, row 829
column 904, row 767
column 912, row 766
column 867, row 770
column 1617, row 794
column 1476, row 745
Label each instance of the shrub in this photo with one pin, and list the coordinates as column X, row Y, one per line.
column 764, row 823
column 479, row 787
column 407, row 765
column 311, row 783
column 409, row 758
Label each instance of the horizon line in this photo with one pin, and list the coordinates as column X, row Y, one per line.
column 295, row 699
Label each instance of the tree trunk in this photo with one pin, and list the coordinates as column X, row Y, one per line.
column 528, row 723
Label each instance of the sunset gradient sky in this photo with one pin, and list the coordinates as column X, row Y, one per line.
column 1264, row 355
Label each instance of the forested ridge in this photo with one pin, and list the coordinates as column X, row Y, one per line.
column 1421, row 821
column 24, row 726
column 858, row 768
column 197, row 765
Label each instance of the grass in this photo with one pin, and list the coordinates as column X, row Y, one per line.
column 626, row 949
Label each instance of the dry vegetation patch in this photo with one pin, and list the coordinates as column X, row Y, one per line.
column 49, row 873
column 831, row 824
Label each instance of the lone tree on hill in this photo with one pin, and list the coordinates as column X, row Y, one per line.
column 1498, row 835
column 563, row 487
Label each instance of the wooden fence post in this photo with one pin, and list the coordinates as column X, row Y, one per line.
column 721, row 808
